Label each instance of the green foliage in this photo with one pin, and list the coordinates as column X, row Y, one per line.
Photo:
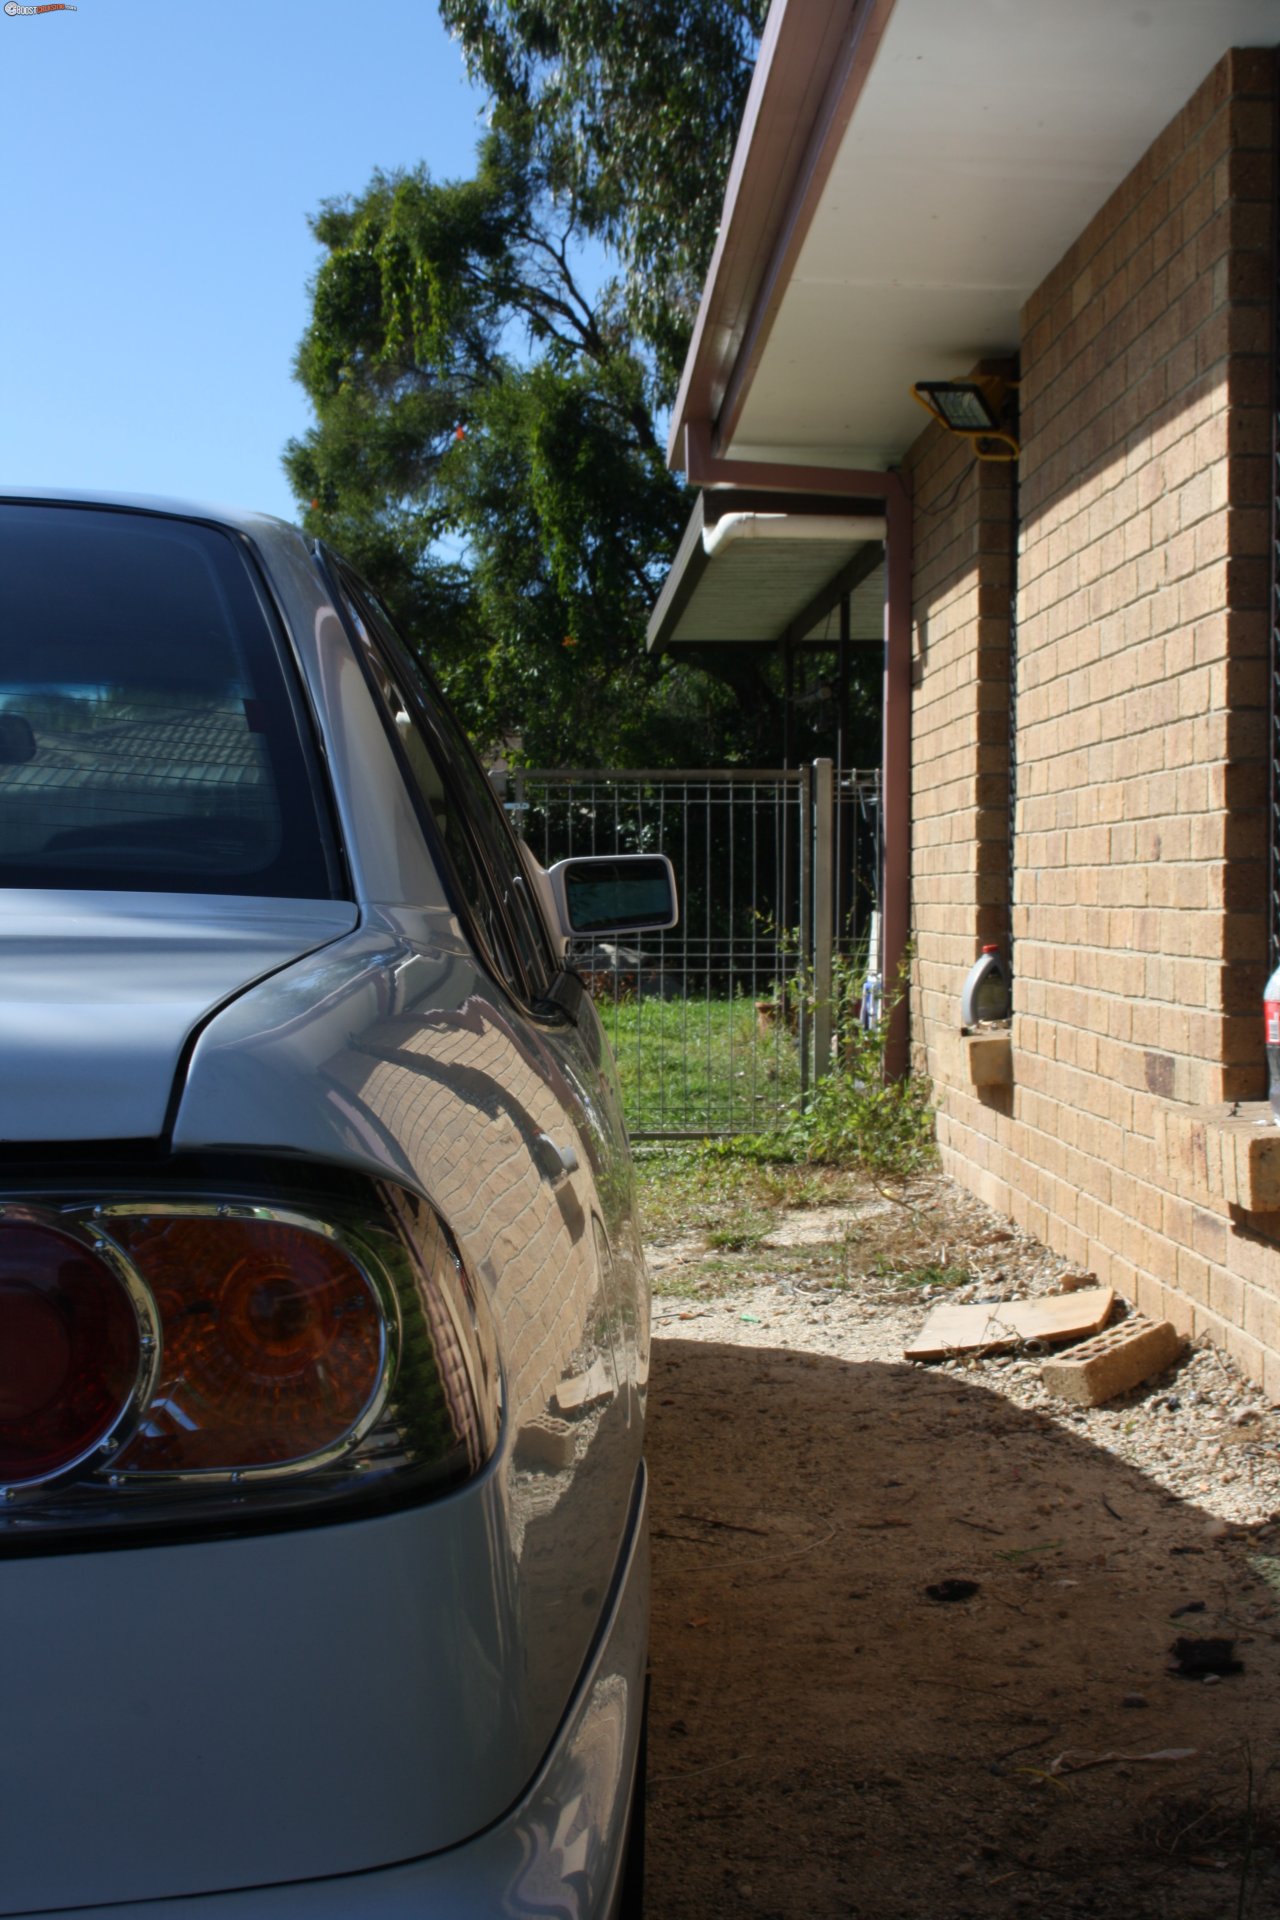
column 633, row 107
column 485, row 450
column 699, row 1063
column 932, row 1273
column 746, row 1234
column 856, row 1115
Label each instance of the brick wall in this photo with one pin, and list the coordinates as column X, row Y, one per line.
column 1140, row 939
column 962, row 540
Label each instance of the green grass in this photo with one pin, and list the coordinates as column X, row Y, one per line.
column 701, row 1065
column 731, row 1202
column 931, row 1274
column 718, row 1067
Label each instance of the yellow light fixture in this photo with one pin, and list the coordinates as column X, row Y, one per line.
column 974, row 409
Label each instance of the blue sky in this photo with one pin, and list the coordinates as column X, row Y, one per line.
column 160, row 158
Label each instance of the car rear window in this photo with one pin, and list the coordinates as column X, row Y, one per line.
column 148, row 740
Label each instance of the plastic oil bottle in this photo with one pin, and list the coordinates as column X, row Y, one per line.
column 986, row 990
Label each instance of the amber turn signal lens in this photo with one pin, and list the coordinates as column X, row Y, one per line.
column 273, row 1343
column 69, row 1351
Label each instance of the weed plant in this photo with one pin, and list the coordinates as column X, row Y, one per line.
column 855, row 1115
column 711, row 1063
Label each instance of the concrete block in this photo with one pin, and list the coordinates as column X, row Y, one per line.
column 1113, row 1361
column 545, row 1441
column 1227, row 1153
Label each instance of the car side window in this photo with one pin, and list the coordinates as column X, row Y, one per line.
column 455, row 794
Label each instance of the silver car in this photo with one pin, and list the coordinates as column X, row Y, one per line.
column 323, row 1315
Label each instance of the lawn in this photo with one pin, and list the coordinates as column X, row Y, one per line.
column 701, row 1066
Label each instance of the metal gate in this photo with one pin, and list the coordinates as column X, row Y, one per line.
column 720, row 1025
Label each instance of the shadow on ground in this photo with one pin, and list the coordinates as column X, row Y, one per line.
column 827, row 1739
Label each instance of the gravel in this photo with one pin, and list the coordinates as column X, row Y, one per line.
column 847, row 1282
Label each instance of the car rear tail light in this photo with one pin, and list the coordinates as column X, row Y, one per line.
column 197, row 1360
column 73, row 1342
column 275, row 1342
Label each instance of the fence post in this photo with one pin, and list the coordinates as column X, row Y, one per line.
column 823, row 913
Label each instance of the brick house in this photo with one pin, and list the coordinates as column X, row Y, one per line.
column 1077, row 207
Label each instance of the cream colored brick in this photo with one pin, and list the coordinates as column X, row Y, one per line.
column 1112, row 1362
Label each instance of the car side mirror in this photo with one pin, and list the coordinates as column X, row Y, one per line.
column 616, row 893
column 17, row 741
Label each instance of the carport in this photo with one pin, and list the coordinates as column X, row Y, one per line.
column 804, row 575
column 808, row 573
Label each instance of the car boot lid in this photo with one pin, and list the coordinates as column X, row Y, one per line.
column 100, row 994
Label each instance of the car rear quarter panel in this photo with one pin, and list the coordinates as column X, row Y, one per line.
column 344, row 1696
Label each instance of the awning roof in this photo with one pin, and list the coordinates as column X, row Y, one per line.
column 907, row 173
column 754, row 567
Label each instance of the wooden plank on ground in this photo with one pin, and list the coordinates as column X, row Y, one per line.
column 985, row 1328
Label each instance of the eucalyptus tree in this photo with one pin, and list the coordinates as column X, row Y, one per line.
column 488, row 359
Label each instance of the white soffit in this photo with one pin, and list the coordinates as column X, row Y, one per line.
column 987, row 135
column 760, row 577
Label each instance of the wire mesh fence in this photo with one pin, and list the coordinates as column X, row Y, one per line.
column 713, row 1023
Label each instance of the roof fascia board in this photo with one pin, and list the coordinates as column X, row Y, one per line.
column 690, row 563
column 703, row 468
column 814, row 58
column 856, row 57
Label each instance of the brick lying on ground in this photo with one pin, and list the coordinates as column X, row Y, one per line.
column 1112, row 1362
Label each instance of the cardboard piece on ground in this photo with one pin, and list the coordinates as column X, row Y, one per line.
column 985, row 1328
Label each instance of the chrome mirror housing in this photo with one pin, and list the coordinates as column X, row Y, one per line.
column 614, row 893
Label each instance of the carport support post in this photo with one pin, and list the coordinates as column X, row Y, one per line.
column 803, row 1024
column 823, row 917
column 895, row 902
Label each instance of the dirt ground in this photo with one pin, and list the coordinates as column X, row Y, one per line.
column 828, row 1736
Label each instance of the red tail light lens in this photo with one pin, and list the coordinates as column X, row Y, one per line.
column 274, row 1343
column 208, row 1361
column 70, row 1352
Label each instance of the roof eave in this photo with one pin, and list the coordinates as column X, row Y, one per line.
column 814, row 59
